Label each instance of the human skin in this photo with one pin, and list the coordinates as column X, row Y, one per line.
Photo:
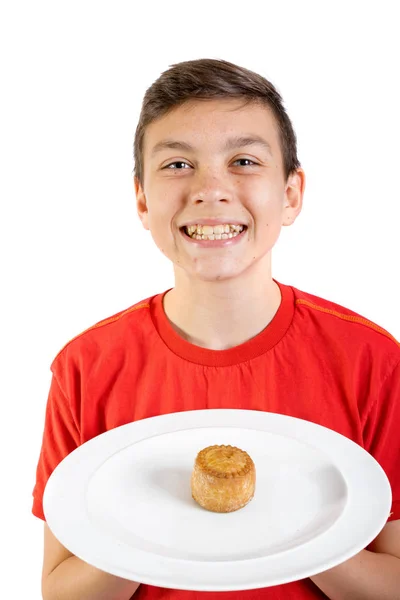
column 208, row 169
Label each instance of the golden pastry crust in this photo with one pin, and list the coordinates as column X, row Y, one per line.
column 223, row 478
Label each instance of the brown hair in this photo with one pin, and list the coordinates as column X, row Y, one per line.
column 206, row 79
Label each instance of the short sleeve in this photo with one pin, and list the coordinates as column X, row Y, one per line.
column 382, row 437
column 60, row 437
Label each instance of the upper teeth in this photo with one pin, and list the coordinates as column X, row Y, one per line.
column 212, row 230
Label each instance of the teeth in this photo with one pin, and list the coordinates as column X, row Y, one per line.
column 216, row 232
column 208, row 230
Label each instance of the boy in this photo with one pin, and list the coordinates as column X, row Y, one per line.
column 216, row 177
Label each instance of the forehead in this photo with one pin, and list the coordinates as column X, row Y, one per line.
column 206, row 121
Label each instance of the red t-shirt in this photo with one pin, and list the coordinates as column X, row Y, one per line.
column 315, row 360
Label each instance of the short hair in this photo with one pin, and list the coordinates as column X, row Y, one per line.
column 207, row 79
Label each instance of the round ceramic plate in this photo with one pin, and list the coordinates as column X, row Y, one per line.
column 122, row 502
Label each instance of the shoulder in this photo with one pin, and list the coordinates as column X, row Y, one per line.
column 337, row 322
column 106, row 337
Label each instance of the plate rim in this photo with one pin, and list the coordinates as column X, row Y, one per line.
column 94, row 452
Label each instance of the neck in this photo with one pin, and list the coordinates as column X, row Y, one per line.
column 221, row 315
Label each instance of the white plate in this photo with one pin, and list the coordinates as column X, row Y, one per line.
column 122, row 502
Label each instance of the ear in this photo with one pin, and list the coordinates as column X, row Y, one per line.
column 141, row 204
column 294, row 192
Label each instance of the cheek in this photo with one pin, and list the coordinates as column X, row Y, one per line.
column 263, row 193
column 159, row 212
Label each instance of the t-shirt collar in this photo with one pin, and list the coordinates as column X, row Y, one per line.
column 254, row 347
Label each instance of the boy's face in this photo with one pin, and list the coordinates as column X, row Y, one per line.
column 210, row 163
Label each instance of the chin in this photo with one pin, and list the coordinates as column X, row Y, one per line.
column 216, row 276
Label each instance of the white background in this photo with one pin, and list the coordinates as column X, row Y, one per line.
column 73, row 251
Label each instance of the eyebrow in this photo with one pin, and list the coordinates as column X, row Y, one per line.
column 231, row 144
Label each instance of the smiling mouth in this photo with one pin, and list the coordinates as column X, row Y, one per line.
column 216, row 232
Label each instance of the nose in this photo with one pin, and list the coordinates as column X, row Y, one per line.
column 210, row 186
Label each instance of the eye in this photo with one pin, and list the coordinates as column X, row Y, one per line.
column 178, row 164
column 244, row 162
